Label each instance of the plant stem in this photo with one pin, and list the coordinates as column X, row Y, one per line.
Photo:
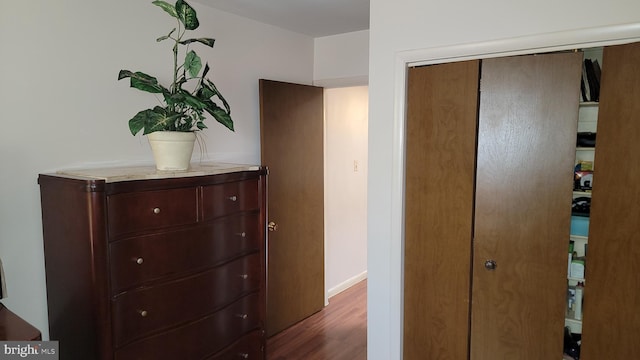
column 175, row 57
column 175, row 67
column 174, row 86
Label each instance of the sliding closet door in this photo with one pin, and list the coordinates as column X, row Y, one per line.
column 440, row 157
column 526, row 147
column 611, row 316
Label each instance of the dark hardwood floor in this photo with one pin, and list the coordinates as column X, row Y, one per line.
column 337, row 332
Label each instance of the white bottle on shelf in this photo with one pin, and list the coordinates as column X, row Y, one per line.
column 577, row 313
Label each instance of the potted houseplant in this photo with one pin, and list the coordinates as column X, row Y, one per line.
column 185, row 101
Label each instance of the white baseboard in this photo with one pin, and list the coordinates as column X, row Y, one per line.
column 346, row 284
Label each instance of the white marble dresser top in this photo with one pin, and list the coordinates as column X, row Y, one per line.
column 115, row 174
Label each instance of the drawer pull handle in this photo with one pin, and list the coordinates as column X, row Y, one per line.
column 156, row 210
column 242, row 234
column 244, row 276
column 233, row 198
column 243, row 356
column 139, row 261
column 242, row 316
column 143, row 313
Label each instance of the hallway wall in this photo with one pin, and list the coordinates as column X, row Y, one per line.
column 346, row 121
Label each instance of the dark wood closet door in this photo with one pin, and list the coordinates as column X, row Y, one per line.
column 611, row 326
column 526, row 149
column 440, row 157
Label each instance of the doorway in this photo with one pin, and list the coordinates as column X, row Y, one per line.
column 346, row 122
column 289, row 118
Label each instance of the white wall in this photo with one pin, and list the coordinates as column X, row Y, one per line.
column 62, row 105
column 346, row 119
column 341, row 65
column 403, row 27
column 342, row 60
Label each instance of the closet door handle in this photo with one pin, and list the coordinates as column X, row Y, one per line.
column 490, row 265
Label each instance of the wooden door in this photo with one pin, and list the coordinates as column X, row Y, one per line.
column 514, row 210
column 442, row 105
column 291, row 124
column 526, row 149
column 611, row 324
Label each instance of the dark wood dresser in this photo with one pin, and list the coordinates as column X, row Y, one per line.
column 143, row 264
column 14, row 328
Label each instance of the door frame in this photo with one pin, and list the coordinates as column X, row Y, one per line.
column 558, row 41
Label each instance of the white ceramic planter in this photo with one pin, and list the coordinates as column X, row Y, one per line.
column 172, row 149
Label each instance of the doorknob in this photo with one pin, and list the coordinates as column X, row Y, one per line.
column 272, row 226
column 490, row 265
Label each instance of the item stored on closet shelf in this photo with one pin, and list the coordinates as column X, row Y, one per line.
column 579, row 225
column 577, row 267
column 581, row 206
column 572, row 344
column 571, row 299
column 584, row 165
column 571, row 245
column 586, row 139
column 583, row 180
column 577, row 310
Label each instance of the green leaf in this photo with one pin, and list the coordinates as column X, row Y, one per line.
column 160, row 119
column 187, row 15
column 207, row 41
column 124, row 74
column 166, row 36
column 181, row 80
column 205, row 93
column 151, row 120
column 146, row 85
column 201, row 126
column 192, row 63
column 185, row 99
column 194, row 101
column 220, row 115
column 173, row 99
column 142, row 81
column 170, row 9
column 137, row 122
column 206, row 70
column 210, row 86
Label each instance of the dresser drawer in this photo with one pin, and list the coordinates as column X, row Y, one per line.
column 211, row 334
column 248, row 347
column 229, row 198
column 134, row 261
column 143, row 311
column 139, row 211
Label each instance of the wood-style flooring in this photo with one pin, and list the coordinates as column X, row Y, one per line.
column 337, row 332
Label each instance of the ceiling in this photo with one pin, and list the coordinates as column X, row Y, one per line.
column 315, row 18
